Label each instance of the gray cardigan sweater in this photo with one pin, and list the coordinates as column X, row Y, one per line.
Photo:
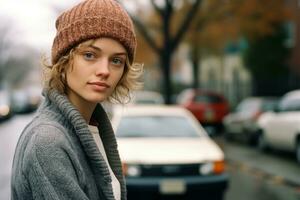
column 57, row 158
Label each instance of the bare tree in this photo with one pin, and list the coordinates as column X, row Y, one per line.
column 170, row 38
column 18, row 66
column 16, row 60
column 4, row 46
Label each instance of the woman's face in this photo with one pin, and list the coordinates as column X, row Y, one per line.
column 96, row 71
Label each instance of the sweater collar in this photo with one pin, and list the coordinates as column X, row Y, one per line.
column 82, row 131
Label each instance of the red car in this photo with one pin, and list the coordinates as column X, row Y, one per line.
column 208, row 107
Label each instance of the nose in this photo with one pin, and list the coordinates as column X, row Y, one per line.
column 102, row 68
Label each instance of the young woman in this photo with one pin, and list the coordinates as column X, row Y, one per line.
column 69, row 150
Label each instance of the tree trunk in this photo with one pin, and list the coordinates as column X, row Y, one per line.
column 170, row 41
column 167, row 51
column 195, row 62
column 270, row 86
column 165, row 63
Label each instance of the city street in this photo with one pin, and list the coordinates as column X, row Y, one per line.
column 231, row 66
column 260, row 176
column 9, row 134
column 253, row 175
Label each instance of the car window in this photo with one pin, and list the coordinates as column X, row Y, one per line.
column 269, row 105
column 148, row 101
column 147, row 97
column 4, row 98
column 208, row 99
column 155, row 126
column 248, row 106
column 184, row 96
column 290, row 105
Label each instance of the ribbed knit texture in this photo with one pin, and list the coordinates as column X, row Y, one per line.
column 57, row 157
column 92, row 19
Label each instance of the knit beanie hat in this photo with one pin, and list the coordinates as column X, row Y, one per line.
column 92, row 19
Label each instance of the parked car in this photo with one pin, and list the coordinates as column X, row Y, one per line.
column 146, row 97
column 26, row 100
column 242, row 123
column 5, row 105
column 207, row 106
column 165, row 151
column 281, row 129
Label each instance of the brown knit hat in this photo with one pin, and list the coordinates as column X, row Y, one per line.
column 92, row 19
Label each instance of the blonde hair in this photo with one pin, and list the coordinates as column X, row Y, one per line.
column 55, row 76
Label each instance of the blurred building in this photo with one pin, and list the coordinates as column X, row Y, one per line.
column 226, row 75
column 182, row 67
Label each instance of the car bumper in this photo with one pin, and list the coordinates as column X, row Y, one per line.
column 5, row 117
column 178, row 185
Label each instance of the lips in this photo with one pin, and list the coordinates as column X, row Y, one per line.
column 100, row 84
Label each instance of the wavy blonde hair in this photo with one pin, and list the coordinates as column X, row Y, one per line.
column 55, row 76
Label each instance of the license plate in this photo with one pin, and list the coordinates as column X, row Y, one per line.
column 172, row 186
column 209, row 115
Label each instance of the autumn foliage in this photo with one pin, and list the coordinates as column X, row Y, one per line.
column 225, row 20
column 214, row 24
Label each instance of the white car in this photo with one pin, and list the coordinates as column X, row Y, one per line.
column 281, row 129
column 26, row 99
column 242, row 122
column 5, row 105
column 146, row 97
column 165, row 151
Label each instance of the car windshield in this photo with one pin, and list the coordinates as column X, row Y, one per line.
column 208, row 99
column 292, row 104
column 4, row 98
column 249, row 105
column 269, row 105
column 155, row 126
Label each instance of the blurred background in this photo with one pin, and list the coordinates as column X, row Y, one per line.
column 229, row 62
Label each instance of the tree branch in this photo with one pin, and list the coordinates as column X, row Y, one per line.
column 142, row 29
column 169, row 3
column 158, row 9
column 185, row 24
column 169, row 6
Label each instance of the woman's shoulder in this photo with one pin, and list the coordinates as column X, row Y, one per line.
column 42, row 133
column 49, row 130
column 41, row 139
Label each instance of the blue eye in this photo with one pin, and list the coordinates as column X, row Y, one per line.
column 117, row 61
column 88, row 55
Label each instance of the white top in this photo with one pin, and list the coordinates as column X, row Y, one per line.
column 115, row 183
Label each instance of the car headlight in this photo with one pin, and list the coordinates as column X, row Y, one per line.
column 131, row 170
column 206, row 168
column 4, row 110
column 216, row 167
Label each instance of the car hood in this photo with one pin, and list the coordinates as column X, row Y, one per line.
column 168, row 150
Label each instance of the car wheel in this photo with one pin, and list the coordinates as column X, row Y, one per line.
column 253, row 139
column 262, row 143
column 298, row 151
column 228, row 136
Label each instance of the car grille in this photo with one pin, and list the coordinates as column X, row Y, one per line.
column 170, row 170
